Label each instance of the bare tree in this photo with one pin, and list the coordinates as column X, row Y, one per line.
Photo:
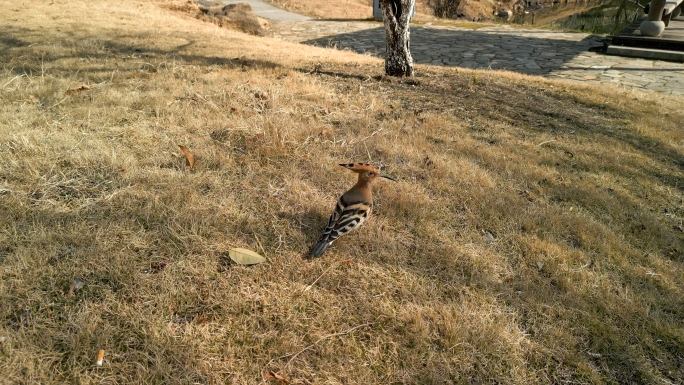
column 396, row 15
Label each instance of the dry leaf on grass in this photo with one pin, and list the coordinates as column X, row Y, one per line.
column 245, row 257
column 75, row 91
column 188, row 156
column 530, row 197
column 200, row 319
column 276, row 376
column 155, row 267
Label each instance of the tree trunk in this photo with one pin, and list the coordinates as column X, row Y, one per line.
column 396, row 15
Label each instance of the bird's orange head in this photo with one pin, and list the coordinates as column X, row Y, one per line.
column 367, row 173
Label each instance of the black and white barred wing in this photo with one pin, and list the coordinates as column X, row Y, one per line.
column 346, row 217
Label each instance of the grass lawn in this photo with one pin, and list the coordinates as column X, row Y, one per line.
column 534, row 235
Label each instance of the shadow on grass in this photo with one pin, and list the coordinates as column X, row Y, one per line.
column 99, row 49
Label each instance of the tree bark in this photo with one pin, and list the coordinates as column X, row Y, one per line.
column 396, row 15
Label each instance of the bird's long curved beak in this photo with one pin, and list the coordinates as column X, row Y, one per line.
column 387, row 177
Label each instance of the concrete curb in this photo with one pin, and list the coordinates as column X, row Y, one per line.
column 646, row 53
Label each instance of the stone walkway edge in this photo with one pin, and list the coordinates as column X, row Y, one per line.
column 553, row 54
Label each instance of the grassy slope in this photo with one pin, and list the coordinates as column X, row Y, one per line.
column 346, row 9
column 580, row 281
column 363, row 9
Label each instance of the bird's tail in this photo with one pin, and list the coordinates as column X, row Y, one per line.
column 320, row 248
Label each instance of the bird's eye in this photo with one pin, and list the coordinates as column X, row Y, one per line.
column 371, row 173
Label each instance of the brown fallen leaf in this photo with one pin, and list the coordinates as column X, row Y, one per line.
column 75, row 91
column 155, row 267
column 427, row 161
column 530, row 197
column 200, row 319
column 188, row 156
column 273, row 375
column 569, row 154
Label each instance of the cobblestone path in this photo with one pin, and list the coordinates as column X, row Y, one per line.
column 549, row 53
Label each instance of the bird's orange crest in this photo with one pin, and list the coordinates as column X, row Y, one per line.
column 359, row 167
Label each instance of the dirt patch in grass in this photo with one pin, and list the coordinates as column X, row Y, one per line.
column 534, row 236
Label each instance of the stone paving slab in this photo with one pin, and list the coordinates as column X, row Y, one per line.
column 552, row 54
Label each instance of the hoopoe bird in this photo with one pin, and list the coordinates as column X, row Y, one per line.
column 352, row 209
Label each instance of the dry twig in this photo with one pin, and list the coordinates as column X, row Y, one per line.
column 321, row 339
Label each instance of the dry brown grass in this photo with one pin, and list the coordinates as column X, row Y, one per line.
column 580, row 189
column 345, row 9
